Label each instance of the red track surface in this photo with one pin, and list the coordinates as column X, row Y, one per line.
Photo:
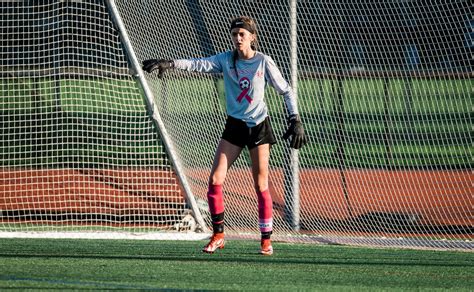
column 89, row 191
column 441, row 198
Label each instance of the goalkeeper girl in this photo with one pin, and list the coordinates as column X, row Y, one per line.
column 246, row 72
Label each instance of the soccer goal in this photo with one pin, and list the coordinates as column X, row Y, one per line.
column 92, row 144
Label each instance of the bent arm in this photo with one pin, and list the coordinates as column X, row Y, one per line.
column 276, row 80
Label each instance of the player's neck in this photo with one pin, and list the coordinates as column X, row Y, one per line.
column 247, row 54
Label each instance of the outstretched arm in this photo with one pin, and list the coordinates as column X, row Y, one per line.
column 204, row 65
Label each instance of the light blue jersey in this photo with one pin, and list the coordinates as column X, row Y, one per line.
column 244, row 91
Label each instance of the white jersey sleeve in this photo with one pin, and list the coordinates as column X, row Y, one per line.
column 276, row 80
column 211, row 64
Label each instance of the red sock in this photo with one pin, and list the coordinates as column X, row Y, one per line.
column 215, row 199
column 265, row 209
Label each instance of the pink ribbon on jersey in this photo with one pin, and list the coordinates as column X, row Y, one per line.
column 244, row 94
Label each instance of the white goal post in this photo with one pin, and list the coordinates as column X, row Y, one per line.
column 91, row 143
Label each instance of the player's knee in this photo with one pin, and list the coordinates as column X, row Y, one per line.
column 261, row 182
column 216, row 179
column 261, row 186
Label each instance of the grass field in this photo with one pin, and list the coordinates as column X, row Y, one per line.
column 179, row 265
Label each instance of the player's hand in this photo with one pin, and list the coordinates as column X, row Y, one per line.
column 157, row 64
column 296, row 131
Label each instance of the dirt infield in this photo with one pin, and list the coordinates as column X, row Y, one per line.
column 429, row 198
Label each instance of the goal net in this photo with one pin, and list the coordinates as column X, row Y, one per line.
column 78, row 150
column 384, row 91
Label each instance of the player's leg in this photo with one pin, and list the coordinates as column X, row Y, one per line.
column 260, row 157
column 261, row 139
column 225, row 155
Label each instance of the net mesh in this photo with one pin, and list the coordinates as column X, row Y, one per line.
column 77, row 145
column 384, row 91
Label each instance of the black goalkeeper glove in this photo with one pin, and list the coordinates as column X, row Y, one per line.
column 157, row 64
column 296, row 131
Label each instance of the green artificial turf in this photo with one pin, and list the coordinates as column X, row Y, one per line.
column 180, row 265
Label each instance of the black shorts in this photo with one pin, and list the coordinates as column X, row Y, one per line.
column 238, row 133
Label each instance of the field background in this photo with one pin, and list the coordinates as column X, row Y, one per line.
column 180, row 265
column 382, row 123
column 393, row 132
column 79, row 152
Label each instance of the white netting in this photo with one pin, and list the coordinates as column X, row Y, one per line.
column 384, row 91
column 77, row 146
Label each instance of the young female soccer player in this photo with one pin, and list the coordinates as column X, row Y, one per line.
column 246, row 72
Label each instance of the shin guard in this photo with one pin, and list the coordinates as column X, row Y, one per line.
column 215, row 199
column 265, row 209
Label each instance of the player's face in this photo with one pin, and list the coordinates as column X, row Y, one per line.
column 242, row 38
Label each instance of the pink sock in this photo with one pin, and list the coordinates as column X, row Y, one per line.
column 265, row 209
column 215, row 199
